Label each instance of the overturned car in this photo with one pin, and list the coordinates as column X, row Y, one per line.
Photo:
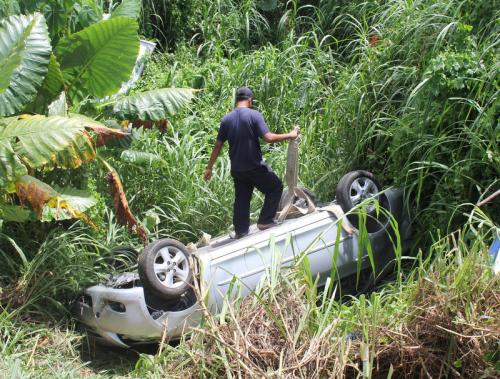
column 159, row 299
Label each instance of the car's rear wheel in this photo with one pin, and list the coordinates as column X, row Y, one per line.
column 164, row 268
column 296, row 201
column 355, row 187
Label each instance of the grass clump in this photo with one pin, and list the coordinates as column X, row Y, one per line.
column 441, row 321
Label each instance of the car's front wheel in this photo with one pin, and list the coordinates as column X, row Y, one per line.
column 164, row 268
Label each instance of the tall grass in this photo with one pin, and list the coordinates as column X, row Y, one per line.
column 407, row 90
column 420, row 106
column 439, row 321
column 41, row 283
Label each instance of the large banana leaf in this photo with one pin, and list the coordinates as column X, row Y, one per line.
column 81, row 150
column 53, row 204
column 24, row 57
column 41, row 142
column 40, row 138
column 153, row 105
column 48, row 142
column 80, row 200
column 128, row 8
column 97, row 59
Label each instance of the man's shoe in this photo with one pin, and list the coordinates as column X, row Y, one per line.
column 236, row 236
column 266, row 226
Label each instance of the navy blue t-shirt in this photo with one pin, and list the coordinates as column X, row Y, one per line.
column 242, row 127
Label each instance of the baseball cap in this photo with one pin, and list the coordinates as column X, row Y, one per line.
column 244, row 93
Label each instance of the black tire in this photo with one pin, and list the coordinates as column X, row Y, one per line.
column 154, row 281
column 284, row 196
column 345, row 195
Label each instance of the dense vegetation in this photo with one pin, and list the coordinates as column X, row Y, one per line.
column 405, row 89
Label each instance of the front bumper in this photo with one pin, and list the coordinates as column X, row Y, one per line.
column 121, row 316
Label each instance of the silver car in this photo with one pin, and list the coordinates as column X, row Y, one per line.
column 159, row 300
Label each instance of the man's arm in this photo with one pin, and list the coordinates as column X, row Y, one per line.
column 213, row 157
column 273, row 138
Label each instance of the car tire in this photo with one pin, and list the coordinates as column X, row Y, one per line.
column 352, row 189
column 164, row 268
column 284, row 197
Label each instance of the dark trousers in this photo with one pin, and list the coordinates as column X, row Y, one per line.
column 266, row 181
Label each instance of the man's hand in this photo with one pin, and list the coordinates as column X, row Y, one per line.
column 273, row 138
column 213, row 157
column 208, row 174
column 294, row 133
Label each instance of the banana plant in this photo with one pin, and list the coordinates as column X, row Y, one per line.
column 38, row 77
column 35, row 142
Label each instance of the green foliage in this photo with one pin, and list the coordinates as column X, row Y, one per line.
column 417, row 107
column 14, row 213
column 57, row 266
column 163, row 173
column 98, row 59
column 56, row 13
column 51, row 87
column 24, row 58
column 65, row 16
column 450, row 73
column 170, row 21
column 128, row 8
column 9, row 8
column 153, row 105
column 405, row 89
column 84, row 14
column 215, row 24
column 87, row 64
column 140, row 158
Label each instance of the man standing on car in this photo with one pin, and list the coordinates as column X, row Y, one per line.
column 242, row 127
